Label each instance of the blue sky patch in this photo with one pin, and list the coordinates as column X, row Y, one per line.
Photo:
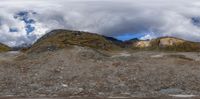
column 29, row 28
column 25, row 17
column 129, row 36
column 196, row 21
column 13, row 30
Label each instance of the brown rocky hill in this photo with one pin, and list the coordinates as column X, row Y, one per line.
column 83, row 71
column 59, row 39
column 4, row 48
column 165, row 44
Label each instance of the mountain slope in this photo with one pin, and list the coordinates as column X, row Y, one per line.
column 165, row 44
column 85, row 72
column 59, row 39
column 4, row 48
column 175, row 44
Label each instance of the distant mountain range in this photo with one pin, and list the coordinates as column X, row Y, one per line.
column 59, row 39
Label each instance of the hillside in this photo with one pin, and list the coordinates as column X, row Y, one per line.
column 59, row 39
column 84, row 72
column 4, row 48
column 165, row 44
column 72, row 64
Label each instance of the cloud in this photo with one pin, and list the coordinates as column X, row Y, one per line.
column 151, row 18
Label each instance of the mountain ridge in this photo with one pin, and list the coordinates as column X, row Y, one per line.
column 60, row 38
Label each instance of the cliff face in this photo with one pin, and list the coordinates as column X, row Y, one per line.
column 165, row 44
column 170, row 42
column 175, row 44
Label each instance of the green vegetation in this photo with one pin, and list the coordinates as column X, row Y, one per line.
column 59, row 39
column 4, row 48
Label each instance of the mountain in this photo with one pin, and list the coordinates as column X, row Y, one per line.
column 165, row 44
column 67, row 63
column 4, row 48
column 59, row 39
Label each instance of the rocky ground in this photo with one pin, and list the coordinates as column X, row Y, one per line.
column 81, row 71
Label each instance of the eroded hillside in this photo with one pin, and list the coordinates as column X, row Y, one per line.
column 165, row 44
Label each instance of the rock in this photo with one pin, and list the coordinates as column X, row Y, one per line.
column 64, row 85
column 171, row 91
column 80, row 89
column 143, row 44
column 170, row 42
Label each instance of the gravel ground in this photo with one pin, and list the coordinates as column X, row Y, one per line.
column 84, row 72
column 102, row 98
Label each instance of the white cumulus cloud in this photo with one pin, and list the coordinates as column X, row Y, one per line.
column 154, row 18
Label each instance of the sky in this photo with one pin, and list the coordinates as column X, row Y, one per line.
column 24, row 21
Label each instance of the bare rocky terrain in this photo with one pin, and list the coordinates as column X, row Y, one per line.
column 82, row 71
column 81, row 65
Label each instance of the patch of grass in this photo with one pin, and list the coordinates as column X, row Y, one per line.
column 59, row 39
column 4, row 48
